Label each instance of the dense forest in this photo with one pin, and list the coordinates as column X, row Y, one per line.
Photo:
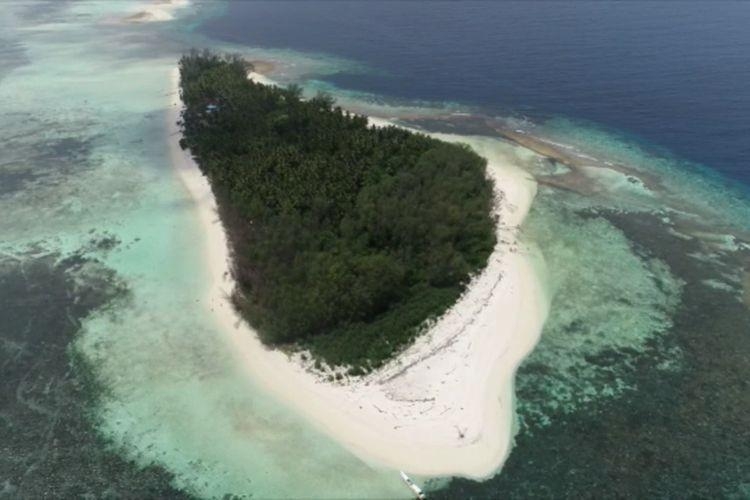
column 345, row 237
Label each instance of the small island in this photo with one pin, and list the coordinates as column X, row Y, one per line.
column 346, row 238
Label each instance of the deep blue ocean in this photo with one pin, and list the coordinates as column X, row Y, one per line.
column 669, row 74
column 635, row 389
column 117, row 378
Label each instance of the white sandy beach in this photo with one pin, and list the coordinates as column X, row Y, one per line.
column 156, row 11
column 444, row 406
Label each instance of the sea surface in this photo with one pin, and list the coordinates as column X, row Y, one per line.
column 674, row 76
column 115, row 381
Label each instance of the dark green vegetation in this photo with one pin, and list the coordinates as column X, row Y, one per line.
column 682, row 433
column 345, row 238
column 48, row 445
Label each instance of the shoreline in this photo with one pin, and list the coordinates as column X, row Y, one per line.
column 155, row 11
column 445, row 405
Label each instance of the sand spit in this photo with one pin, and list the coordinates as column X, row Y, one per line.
column 262, row 67
column 260, row 78
column 444, row 406
column 156, row 11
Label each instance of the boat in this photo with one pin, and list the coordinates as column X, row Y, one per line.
column 413, row 487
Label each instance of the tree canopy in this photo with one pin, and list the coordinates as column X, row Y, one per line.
column 345, row 237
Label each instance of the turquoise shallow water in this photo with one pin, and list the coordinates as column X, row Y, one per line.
column 638, row 288
column 632, row 390
column 85, row 147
